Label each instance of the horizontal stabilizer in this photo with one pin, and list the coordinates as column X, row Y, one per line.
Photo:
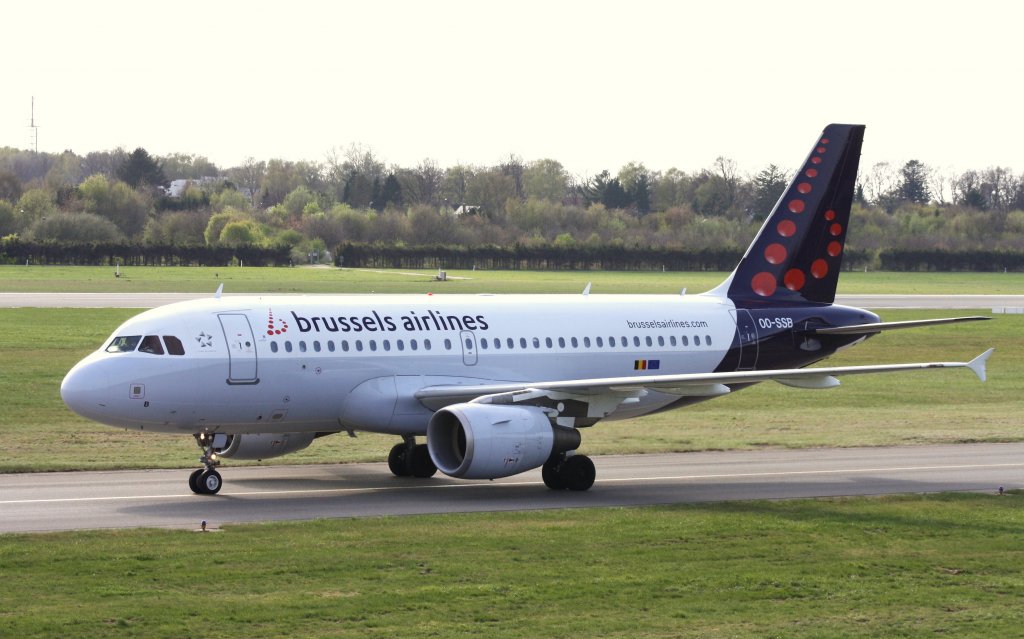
column 878, row 327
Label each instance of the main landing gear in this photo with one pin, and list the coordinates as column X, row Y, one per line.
column 206, row 480
column 410, row 459
column 572, row 472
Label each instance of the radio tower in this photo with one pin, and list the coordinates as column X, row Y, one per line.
column 32, row 125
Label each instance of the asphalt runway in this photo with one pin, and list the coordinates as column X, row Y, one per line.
column 152, row 300
column 161, row 498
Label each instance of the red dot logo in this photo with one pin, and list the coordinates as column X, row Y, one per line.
column 811, row 173
column 794, row 279
column 815, row 160
column 804, row 188
column 796, row 206
column 819, row 269
column 830, row 215
column 786, row 228
column 834, row 249
column 836, row 230
column 775, row 253
column 763, row 284
column 824, row 140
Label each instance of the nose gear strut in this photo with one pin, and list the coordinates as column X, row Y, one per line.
column 206, row 480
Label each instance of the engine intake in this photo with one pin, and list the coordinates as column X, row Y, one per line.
column 483, row 441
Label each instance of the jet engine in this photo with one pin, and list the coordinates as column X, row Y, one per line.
column 484, row 441
column 264, row 445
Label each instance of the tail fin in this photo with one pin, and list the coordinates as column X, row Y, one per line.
column 796, row 256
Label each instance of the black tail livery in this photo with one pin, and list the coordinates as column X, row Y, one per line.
column 796, row 257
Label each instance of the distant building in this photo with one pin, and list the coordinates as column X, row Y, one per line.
column 177, row 188
column 468, row 209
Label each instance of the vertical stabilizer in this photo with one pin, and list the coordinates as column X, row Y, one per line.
column 797, row 254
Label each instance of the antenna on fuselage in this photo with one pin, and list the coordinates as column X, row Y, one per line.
column 220, row 289
column 586, row 291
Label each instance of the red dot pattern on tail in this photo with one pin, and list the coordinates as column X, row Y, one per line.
column 765, row 283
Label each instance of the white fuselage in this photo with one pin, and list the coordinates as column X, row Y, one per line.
column 329, row 363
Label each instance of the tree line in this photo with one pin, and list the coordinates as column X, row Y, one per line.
column 298, row 211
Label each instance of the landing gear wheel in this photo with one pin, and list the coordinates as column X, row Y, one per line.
column 553, row 478
column 398, row 461
column 193, row 480
column 420, row 463
column 209, row 482
column 578, row 472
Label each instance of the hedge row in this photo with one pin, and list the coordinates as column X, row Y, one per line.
column 19, row 252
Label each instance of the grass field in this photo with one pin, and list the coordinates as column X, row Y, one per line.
column 331, row 280
column 37, row 346
column 913, row 566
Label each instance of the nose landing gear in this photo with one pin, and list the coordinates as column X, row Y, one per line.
column 206, row 480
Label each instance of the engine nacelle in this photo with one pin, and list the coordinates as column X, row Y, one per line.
column 264, row 445
column 484, row 441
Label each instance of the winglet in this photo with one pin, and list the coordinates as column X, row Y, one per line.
column 586, row 291
column 978, row 364
column 220, row 289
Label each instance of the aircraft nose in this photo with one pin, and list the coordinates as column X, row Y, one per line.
column 84, row 389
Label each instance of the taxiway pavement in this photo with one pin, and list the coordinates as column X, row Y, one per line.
column 161, row 498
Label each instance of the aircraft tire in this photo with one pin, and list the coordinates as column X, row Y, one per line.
column 578, row 473
column 193, row 480
column 398, row 461
column 552, row 477
column 422, row 465
column 209, row 482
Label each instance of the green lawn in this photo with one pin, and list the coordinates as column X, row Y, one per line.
column 913, row 566
column 331, row 280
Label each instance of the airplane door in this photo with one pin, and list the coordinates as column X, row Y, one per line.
column 241, row 349
column 747, row 331
column 468, row 339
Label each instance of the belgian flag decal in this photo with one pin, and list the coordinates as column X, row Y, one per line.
column 646, row 364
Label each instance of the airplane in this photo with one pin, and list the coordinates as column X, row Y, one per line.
column 497, row 384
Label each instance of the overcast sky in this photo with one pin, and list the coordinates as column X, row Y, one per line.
column 592, row 84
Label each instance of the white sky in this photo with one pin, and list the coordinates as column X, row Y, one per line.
column 593, row 84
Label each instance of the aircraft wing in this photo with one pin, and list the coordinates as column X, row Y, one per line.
column 618, row 389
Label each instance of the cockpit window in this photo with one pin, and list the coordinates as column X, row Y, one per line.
column 124, row 344
column 174, row 346
column 151, row 344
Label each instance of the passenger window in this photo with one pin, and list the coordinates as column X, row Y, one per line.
column 707, row 340
column 548, row 342
column 561, row 342
column 510, row 343
column 387, row 345
column 522, row 342
column 330, row 345
column 426, row 344
column 412, row 344
column 649, row 341
column 288, row 346
column 575, row 342
column 174, row 345
column 497, row 343
column 483, row 343
column 536, row 342
column 447, row 344
column 686, row 340
column 359, row 345
column 151, row 344
column 302, row 346
column 611, row 342
column 316, row 345
column 661, row 340
column 586, row 342
column 273, row 347
column 696, row 340
column 373, row 345
column 636, row 340
column 672, row 340
column 400, row 344
column 344, row 345
column 124, row 344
